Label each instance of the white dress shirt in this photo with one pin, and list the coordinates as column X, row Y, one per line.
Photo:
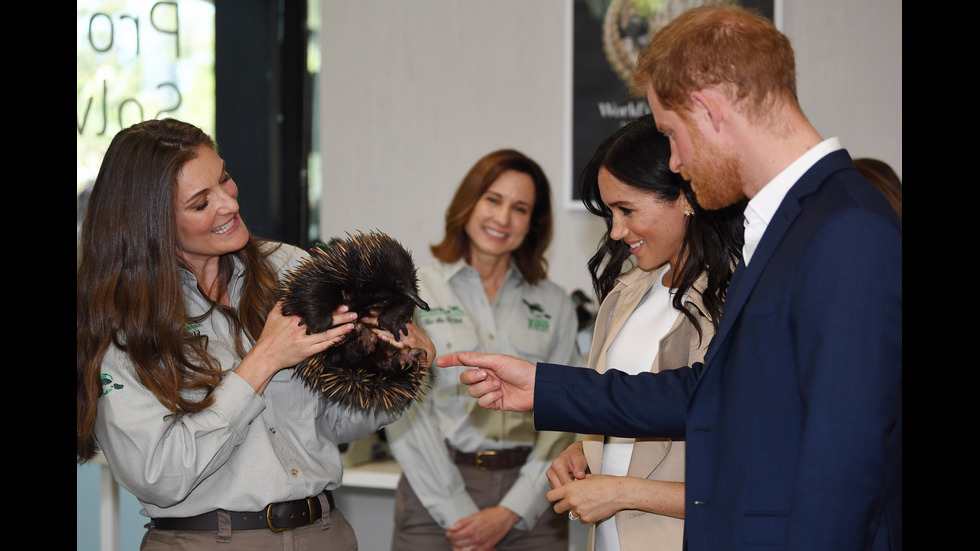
column 762, row 207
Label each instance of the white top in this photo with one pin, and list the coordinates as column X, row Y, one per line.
column 634, row 351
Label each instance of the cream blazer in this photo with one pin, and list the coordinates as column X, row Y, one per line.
column 653, row 458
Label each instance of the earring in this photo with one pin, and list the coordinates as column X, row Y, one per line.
column 688, row 212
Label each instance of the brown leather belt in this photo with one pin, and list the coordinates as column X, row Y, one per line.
column 492, row 460
column 277, row 517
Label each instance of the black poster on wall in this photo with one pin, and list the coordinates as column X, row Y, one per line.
column 607, row 38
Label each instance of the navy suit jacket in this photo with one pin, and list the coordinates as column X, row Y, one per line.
column 794, row 420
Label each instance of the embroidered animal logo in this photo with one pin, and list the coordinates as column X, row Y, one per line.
column 538, row 318
column 107, row 384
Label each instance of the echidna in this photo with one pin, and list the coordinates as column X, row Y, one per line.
column 369, row 272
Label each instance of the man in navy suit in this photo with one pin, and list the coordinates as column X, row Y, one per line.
column 794, row 420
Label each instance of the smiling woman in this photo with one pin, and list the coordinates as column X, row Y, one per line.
column 500, row 220
column 474, row 478
column 652, row 227
column 208, row 224
column 178, row 316
column 657, row 314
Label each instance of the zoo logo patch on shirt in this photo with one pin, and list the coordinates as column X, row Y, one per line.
column 194, row 329
column 107, row 384
column 538, row 320
column 454, row 314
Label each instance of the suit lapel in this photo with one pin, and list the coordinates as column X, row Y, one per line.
column 647, row 455
column 745, row 277
column 617, row 308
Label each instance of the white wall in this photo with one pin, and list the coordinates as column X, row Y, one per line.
column 413, row 93
column 849, row 72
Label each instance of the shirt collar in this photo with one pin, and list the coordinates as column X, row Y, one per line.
column 638, row 276
column 765, row 203
column 760, row 210
column 234, row 284
column 451, row 269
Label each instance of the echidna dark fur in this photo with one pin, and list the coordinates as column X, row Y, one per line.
column 369, row 272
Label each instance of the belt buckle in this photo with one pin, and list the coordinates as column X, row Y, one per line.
column 268, row 519
column 479, row 459
column 274, row 528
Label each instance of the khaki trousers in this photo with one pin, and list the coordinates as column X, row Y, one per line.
column 415, row 530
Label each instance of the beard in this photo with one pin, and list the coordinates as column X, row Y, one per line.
column 715, row 174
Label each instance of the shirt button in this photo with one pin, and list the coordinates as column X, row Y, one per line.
column 294, row 471
column 491, row 336
column 272, row 430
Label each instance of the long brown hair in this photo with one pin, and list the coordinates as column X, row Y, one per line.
column 529, row 257
column 128, row 281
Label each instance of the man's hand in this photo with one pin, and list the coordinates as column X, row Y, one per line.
column 500, row 382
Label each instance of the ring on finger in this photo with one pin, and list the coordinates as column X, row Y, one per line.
column 571, row 516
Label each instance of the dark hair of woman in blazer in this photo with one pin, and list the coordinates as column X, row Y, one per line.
column 638, row 155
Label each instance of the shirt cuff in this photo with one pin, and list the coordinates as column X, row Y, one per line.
column 459, row 507
column 237, row 401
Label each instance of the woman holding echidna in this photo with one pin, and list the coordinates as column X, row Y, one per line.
column 182, row 352
column 475, row 478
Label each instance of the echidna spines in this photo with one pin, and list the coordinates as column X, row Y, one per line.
column 368, row 271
